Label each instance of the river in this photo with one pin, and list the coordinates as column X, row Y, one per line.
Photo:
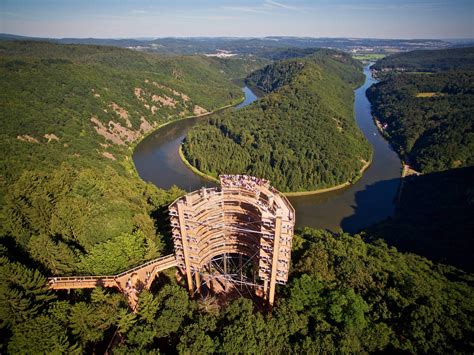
column 369, row 200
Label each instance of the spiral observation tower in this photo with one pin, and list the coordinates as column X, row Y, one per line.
column 236, row 236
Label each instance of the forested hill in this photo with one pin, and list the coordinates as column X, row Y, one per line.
column 272, row 77
column 86, row 104
column 72, row 205
column 70, row 114
column 301, row 136
column 429, row 116
column 428, row 60
column 343, row 296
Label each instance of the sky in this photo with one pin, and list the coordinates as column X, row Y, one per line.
column 238, row 18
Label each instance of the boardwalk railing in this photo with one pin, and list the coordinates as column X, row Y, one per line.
column 164, row 260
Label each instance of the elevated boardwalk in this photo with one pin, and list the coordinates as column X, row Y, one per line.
column 130, row 282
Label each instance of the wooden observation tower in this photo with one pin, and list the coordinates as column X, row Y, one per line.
column 230, row 237
column 233, row 236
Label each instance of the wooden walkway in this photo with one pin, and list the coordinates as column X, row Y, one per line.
column 130, row 282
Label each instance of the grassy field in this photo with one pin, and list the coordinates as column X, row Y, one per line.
column 428, row 94
column 368, row 56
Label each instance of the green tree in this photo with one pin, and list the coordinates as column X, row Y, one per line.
column 40, row 335
column 118, row 254
column 56, row 257
column 23, row 293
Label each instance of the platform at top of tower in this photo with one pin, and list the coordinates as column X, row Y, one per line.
column 244, row 188
column 259, row 187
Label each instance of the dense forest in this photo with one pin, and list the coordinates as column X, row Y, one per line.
column 87, row 104
column 428, row 60
column 344, row 296
column 434, row 218
column 429, row 117
column 72, row 204
column 237, row 68
column 71, row 201
column 301, row 135
column 70, row 116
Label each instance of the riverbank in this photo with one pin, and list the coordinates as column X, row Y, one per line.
column 329, row 189
column 288, row 194
column 129, row 163
column 407, row 169
column 193, row 168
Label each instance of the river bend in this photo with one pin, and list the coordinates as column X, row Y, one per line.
column 369, row 200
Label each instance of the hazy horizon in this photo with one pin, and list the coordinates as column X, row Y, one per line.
column 240, row 37
column 383, row 19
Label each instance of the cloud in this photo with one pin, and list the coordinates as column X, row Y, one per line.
column 209, row 17
column 251, row 9
column 280, row 5
column 266, row 7
column 423, row 5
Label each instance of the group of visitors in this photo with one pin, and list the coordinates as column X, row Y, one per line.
column 245, row 181
column 53, row 280
column 147, row 278
column 130, row 289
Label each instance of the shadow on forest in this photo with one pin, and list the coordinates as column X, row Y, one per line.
column 372, row 205
column 433, row 218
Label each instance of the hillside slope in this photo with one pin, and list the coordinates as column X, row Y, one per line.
column 70, row 115
column 434, row 218
column 343, row 296
column 301, row 136
column 429, row 117
column 428, row 60
column 73, row 213
column 87, row 104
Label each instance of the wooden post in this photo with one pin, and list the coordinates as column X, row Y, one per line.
column 265, row 289
column 184, row 239
column 276, row 252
